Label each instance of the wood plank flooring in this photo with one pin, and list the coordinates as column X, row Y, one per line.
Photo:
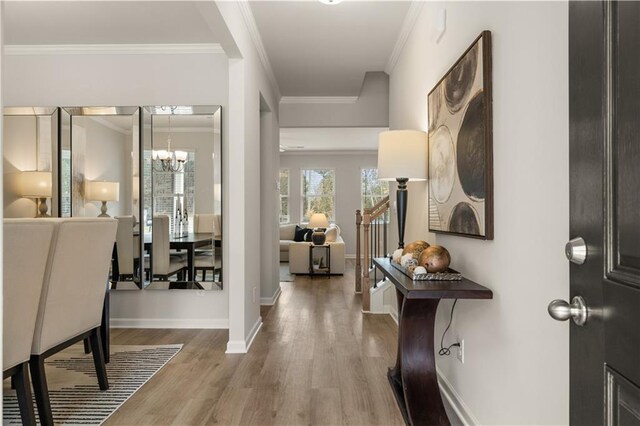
column 316, row 361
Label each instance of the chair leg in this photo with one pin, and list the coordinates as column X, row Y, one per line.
column 98, row 359
column 87, row 346
column 23, row 391
column 39, row 379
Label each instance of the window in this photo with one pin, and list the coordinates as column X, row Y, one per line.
column 318, row 193
column 372, row 189
column 173, row 191
column 284, row 196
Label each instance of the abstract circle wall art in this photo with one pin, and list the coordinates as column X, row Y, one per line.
column 461, row 146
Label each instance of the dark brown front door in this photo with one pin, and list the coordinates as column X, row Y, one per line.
column 604, row 110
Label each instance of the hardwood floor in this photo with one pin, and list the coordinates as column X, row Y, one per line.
column 316, row 361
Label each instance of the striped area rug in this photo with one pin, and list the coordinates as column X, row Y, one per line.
column 76, row 398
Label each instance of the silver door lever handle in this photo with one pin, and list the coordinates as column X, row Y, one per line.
column 560, row 310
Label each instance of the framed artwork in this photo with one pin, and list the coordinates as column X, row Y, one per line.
column 460, row 146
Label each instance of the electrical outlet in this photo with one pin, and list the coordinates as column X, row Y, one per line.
column 255, row 294
column 460, row 348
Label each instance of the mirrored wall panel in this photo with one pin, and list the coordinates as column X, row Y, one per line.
column 30, row 147
column 182, row 169
column 100, row 164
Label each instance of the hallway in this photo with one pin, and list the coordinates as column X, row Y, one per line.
column 315, row 361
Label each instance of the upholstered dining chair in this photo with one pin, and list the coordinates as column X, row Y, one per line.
column 164, row 265
column 72, row 298
column 205, row 260
column 26, row 251
column 126, row 249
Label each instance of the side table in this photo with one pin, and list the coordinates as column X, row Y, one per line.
column 325, row 270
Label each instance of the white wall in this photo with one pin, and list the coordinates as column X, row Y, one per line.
column 516, row 368
column 347, row 168
column 269, row 208
column 248, row 84
column 129, row 80
column 370, row 110
column 107, row 158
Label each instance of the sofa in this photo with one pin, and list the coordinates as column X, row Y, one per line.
column 297, row 253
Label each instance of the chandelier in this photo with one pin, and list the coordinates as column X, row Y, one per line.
column 165, row 160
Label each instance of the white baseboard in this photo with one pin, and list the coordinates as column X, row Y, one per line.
column 217, row 323
column 242, row 346
column 270, row 301
column 461, row 410
column 349, row 256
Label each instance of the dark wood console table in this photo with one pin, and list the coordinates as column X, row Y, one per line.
column 414, row 379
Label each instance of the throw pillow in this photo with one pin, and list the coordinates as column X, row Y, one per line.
column 332, row 234
column 301, row 234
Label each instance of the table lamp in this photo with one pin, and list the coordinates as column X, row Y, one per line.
column 319, row 223
column 36, row 185
column 402, row 156
column 102, row 191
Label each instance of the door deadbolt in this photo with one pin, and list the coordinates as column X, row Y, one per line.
column 576, row 251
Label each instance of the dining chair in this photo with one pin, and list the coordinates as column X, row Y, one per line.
column 26, row 250
column 126, row 250
column 72, row 298
column 164, row 265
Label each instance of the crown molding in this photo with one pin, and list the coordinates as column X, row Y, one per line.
column 113, row 49
column 252, row 28
column 319, row 99
column 407, row 25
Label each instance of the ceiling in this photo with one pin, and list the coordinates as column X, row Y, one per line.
column 324, row 50
column 330, row 138
column 109, row 22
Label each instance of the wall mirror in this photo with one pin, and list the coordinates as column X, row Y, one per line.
column 182, row 212
column 30, row 169
column 100, row 177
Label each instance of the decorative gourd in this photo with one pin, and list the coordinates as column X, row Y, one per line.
column 435, row 259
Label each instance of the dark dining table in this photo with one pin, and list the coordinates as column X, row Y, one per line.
column 189, row 242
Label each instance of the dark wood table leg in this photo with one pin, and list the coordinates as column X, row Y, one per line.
column 414, row 379
column 104, row 329
column 190, row 255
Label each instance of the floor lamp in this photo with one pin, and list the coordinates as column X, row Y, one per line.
column 402, row 156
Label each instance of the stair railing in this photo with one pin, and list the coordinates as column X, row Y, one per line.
column 374, row 222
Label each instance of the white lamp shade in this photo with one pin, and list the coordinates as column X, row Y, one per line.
column 181, row 155
column 34, row 184
column 318, row 220
column 102, row 191
column 402, row 154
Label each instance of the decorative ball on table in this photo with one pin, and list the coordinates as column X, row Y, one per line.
column 415, row 248
column 397, row 255
column 435, row 259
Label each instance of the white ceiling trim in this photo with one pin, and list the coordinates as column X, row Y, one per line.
column 319, row 99
column 407, row 26
column 114, row 49
column 252, row 27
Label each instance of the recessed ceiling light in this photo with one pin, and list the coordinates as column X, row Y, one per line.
column 330, row 2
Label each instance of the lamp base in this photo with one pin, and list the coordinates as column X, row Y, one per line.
column 402, row 196
column 42, row 208
column 318, row 237
column 103, row 209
